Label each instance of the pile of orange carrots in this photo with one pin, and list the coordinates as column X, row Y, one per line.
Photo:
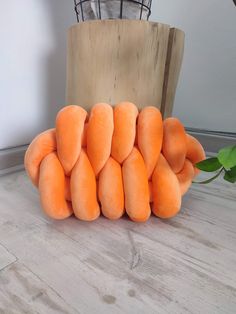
column 111, row 161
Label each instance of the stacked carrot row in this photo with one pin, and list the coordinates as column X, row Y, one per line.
column 111, row 161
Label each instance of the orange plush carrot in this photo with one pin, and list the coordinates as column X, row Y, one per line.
column 69, row 129
column 110, row 190
column 174, row 143
column 150, row 191
column 125, row 115
column 166, row 190
column 83, row 189
column 185, row 176
column 84, row 136
column 52, row 188
column 136, row 187
column 195, row 151
column 123, row 159
column 99, row 135
column 67, row 189
column 40, row 147
column 150, row 135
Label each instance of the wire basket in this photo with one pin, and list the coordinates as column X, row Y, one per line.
column 112, row 9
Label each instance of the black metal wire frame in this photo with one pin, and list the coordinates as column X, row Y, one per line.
column 79, row 8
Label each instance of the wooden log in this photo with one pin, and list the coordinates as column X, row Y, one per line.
column 172, row 70
column 117, row 60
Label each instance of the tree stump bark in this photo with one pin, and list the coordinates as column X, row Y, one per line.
column 123, row 60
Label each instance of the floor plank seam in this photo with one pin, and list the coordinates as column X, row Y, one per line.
column 9, row 265
column 8, row 251
column 51, row 288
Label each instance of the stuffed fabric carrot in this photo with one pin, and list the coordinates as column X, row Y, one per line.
column 110, row 190
column 43, row 144
column 150, row 136
column 185, row 176
column 166, row 190
column 195, row 152
column 69, row 130
column 83, row 189
column 99, row 135
column 125, row 115
column 52, row 188
column 113, row 161
column 136, row 187
column 174, row 146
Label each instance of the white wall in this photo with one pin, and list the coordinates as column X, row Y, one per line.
column 33, row 58
column 206, row 96
column 32, row 66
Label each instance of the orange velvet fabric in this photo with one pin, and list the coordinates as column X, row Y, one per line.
column 111, row 161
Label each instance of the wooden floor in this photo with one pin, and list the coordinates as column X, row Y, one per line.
column 183, row 265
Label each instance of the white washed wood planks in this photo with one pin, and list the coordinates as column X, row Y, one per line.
column 183, row 265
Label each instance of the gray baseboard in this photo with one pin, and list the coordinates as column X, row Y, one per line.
column 12, row 159
column 213, row 141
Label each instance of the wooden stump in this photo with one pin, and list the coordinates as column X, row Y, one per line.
column 117, row 60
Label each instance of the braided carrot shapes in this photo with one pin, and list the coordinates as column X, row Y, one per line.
column 113, row 161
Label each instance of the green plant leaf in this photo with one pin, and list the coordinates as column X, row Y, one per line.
column 230, row 175
column 227, row 156
column 209, row 165
column 233, row 171
column 211, row 179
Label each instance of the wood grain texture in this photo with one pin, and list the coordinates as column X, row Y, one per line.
column 118, row 60
column 6, row 258
column 22, row 291
column 183, row 265
column 172, row 70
